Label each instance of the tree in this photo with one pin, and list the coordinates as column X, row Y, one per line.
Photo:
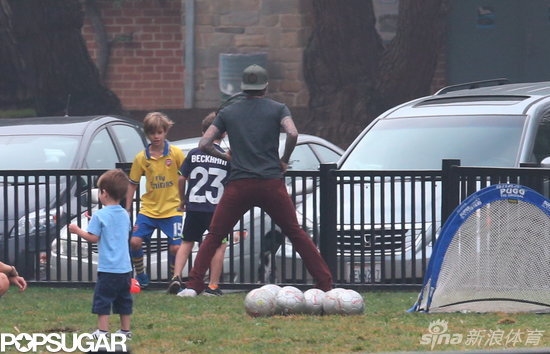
column 45, row 64
column 352, row 76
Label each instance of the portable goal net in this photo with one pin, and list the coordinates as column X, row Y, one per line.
column 493, row 255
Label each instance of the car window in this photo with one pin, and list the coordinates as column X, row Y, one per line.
column 39, row 151
column 303, row 158
column 325, row 154
column 129, row 140
column 102, row 153
column 423, row 142
column 542, row 140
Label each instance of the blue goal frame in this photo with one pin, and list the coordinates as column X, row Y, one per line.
column 458, row 217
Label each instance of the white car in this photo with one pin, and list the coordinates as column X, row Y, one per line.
column 309, row 152
column 244, row 254
column 83, row 255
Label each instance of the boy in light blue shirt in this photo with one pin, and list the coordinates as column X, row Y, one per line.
column 110, row 227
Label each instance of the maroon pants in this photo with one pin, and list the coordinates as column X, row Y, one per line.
column 270, row 195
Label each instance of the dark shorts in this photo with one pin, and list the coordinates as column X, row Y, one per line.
column 195, row 225
column 112, row 290
column 145, row 226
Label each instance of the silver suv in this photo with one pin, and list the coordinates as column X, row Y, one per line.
column 386, row 221
column 485, row 124
column 501, row 126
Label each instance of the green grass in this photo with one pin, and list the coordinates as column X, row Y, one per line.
column 163, row 323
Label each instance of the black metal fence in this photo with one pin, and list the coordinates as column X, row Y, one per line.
column 460, row 182
column 35, row 207
column 374, row 228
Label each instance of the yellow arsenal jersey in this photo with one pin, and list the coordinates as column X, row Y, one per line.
column 161, row 199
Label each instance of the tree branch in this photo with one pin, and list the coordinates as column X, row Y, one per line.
column 412, row 54
column 103, row 45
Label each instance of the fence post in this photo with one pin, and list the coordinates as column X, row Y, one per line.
column 449, row 188
column 327, row 216
column 533, row 181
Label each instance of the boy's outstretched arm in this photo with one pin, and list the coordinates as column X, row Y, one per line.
column 73, row 228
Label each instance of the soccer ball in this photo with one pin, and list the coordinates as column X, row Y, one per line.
column 351, row 303
column 260, row 302
column 272, row 287
column 290, row 300
column 314, row 301
column 331, row 303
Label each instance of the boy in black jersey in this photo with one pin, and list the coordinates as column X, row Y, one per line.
column 205, row 176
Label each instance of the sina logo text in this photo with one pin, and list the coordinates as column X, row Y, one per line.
column 438, row 335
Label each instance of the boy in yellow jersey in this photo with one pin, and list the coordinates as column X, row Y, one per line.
column 159, row 163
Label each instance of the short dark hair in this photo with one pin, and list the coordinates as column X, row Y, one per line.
column 115, row 183
column 207, row 121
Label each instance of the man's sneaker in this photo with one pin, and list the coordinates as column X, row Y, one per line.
column 128, row 334
column 175, row 285
column 143, row 280
column 187, row 292
column 99, row 333
column 212, row 292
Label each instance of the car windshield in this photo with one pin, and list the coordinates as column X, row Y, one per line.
column 422, row 142
column 36, row 152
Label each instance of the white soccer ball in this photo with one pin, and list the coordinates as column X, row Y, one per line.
column 274, row 288
column 260, row 302
column 314, row 301
column 331, row 303
column 351, row 302
column 290, row 300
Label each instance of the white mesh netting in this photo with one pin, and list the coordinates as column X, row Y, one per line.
column 498, row 261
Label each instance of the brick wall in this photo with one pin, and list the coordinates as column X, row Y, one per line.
column 147, row 70
column 146, row 66
column 279, row 28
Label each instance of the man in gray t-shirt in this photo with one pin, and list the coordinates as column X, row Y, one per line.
column 253, row 125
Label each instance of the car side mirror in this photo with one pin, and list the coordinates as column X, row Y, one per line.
column 545, row 163
column 94, row 193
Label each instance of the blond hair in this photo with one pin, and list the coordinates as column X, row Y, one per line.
column 155, row 121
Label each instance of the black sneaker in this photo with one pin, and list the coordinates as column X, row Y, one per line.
column 212, row 292
column 175, row 285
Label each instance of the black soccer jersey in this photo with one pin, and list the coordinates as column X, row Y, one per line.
column 206, row 176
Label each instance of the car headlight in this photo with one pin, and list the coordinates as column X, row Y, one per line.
column 29, row 222
column 423, row 234
column 66, row 248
